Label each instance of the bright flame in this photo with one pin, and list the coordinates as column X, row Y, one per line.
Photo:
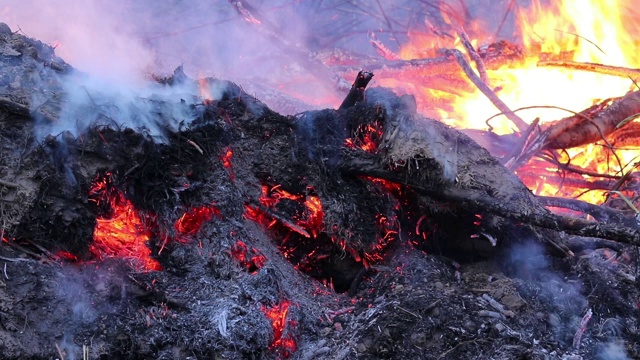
column 572, row 30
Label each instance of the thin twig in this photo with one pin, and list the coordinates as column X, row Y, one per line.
column 591, row 67
column 286, row 222
column 504, row 19
column 408, row 312
column 473, row 54
column 524, row 138
column 581, row 329
column 484, row 88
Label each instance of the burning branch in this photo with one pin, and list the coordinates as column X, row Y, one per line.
column 484, row 88
column 588, row 126
column 473, row 54
column 494, row 56
column 591, row 67
column 582, row 129
column 381, row 48
column 286, row 222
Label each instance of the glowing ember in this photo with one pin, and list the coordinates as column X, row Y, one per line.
column 252, row 262
column 123, row 235
column 226, row 162
column 66, row 256
column 191, row 221
column 365, row 138
column 310, row 220
column 284, row 344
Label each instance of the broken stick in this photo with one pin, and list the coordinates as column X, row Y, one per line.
column 356, row 94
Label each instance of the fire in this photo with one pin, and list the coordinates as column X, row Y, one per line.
column 570, row 30
column 226, row 162
column 365, row 138
column 282, row 343
column 252, row 262
column 205, row 91
column 192, row 220
column 122, row 233
column 310, row 220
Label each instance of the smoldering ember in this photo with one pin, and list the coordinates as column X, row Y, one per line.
column 351, row 204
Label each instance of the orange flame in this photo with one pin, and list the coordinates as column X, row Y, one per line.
column 311, row 220
column 577, row 30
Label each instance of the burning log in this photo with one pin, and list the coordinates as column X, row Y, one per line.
column 588, row 126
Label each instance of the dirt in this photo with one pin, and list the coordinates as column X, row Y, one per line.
column 350, row 291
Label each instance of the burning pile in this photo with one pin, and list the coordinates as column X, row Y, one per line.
column 190, row 220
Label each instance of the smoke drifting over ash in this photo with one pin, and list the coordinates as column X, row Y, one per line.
column 124, row 41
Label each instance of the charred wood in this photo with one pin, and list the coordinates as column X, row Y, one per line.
column 356, row 94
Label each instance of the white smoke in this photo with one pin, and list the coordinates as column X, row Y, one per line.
column 613, row 351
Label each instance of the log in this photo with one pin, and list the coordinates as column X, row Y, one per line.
column 590, row 128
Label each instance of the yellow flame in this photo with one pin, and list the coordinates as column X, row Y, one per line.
column 577, row 30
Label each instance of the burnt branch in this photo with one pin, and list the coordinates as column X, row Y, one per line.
column 369, row 165
column 356, row 94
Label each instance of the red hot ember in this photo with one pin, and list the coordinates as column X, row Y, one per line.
column 283, row 343
column 121, row 232
column 192, row 220
column 252, row 261
column 226, row 162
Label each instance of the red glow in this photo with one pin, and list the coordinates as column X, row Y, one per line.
column 205, row 91
column 240, row 252
column 284, row 344
column 120, row 233
column 226, row 161
column 66, row 255
column 191, row 221
column 310, row 221
column 365, row 138
column 315, row 215
column 123, row 235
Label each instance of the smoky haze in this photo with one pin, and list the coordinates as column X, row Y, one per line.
column 126, row 40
